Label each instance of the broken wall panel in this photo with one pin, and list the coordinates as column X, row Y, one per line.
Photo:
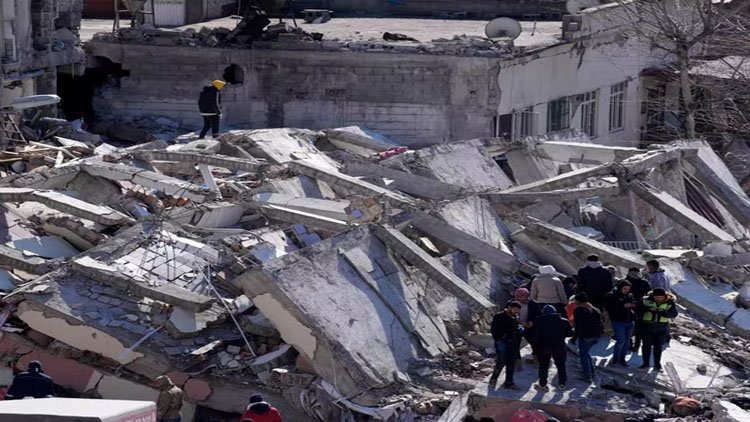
column 344, row 324
column 465, row 164
column 681, row 214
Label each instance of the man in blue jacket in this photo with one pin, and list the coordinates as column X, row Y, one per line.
column 31, row 383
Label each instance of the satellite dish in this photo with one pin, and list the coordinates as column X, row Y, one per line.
column 575, row 6
column 503, row 27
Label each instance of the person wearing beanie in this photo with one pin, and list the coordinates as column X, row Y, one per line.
column 209, row 104
column 550, row 331
column 655, row 311
column 547, row 289
column 506, row 332
column 260, row 411
column 588, row 328
column 620, row 306
column 595, row 280
column 31, row 383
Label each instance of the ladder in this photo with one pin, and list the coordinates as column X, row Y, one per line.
column 9, row 130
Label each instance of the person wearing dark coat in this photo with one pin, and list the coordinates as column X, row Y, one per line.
column 209, row 104
column 550, row 331
column 506, row 332
column 620, row 306
column 530, row 309
column 594, row 280
column 588, row 329
column 655, row 310
column 639, row 288
column 31, row 383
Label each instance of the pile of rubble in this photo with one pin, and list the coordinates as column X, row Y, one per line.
column 256, row 31
column 341, row 274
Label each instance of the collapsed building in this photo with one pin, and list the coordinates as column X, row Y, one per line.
column 337, row 271
column 344, row 277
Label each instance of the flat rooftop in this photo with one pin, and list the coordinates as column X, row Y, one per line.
column 535, row 34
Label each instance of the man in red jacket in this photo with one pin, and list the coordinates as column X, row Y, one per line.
column 260, row 411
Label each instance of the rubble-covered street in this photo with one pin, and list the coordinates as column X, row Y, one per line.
column 351, row 272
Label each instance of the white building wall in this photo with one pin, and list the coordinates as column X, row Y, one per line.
column 577, row 68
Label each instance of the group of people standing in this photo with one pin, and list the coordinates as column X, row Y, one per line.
column 548, row 310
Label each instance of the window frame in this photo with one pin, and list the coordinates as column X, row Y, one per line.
column 558, row 114
column 617, row 98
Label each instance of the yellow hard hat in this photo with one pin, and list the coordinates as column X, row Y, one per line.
column 218, row 84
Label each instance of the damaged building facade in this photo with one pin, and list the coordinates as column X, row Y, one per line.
column 40, row 40
column 579, row 74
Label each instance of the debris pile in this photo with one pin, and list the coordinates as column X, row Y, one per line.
column 343, row 275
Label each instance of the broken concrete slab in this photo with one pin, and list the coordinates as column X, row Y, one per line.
column 680, row 213
column 67, row 204
column 584, row 153
column 405, row 248
column 466, row 164
column 695, row 296
column 15, row 258
column 650, row 160
column 352, row 337
column 511, row 198
column 709, row 169
column 48, row 247
column 334, row 178
column 433, row 337
column 412, row 184
column 231, row 163
column 331, row 209
column 166, row 184
column 275, row 359
column 738, row 277
column 167, row 293
column 607, row 253
column 563, row 181
column 357, row 140
column 280, row 146
column 470, row 225
column 46, row 178
column 291, row 215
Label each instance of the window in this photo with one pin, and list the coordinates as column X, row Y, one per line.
column 558, row 114
column 523, row 123
column 588, row 113
column 502, row 125
column 617, row 106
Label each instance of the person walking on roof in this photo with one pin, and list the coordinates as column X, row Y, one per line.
column 31, row 383
column 550, row 331
column 260, row 411
column 209, row 104
column 655, row 310
column 620, row 306
column 506, row 332
column 169, row 403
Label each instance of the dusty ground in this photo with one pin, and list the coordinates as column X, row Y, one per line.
column 534, row 34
